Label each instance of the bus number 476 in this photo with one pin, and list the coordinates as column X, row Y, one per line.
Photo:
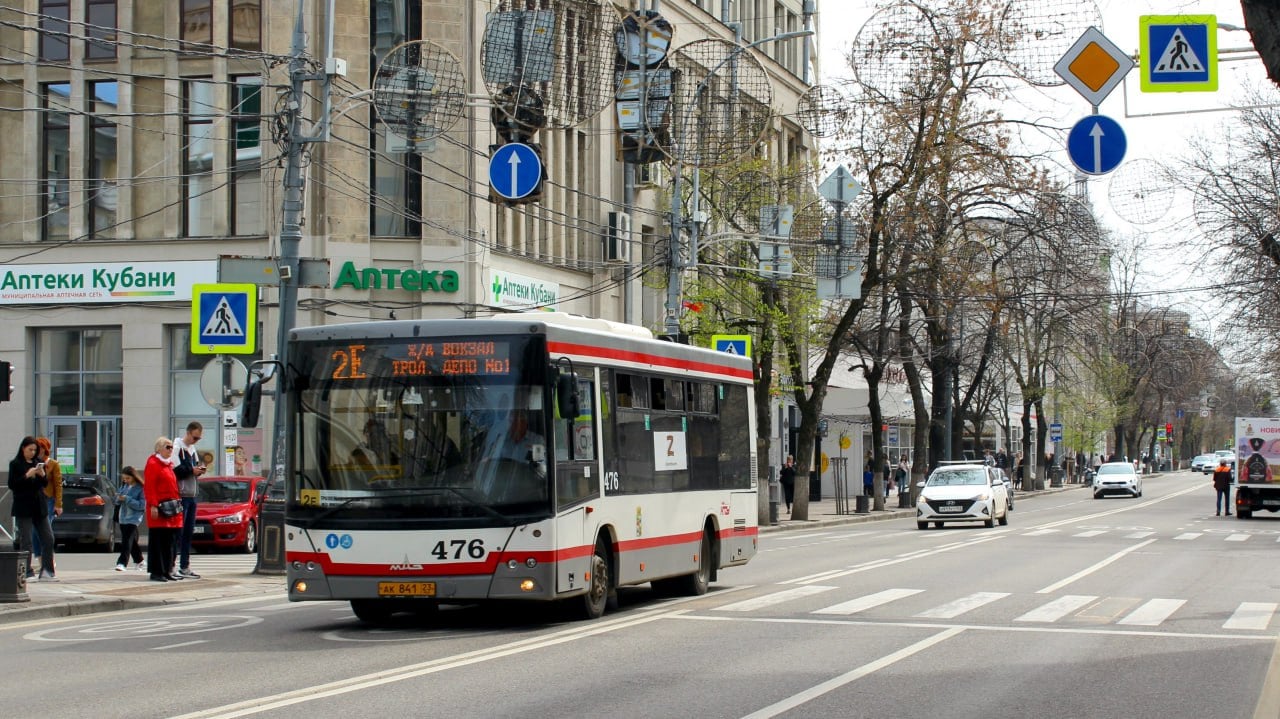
column 473, row 548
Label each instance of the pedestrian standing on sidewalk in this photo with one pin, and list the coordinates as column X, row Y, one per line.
column 188, row 468
column 160, row 485
column 27, row 481
column 787, row 477
column 132, row 502
column 1222, row 483
column 52, row 490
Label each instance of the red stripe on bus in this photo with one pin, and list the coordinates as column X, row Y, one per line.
column 643, row 357
column 490, row 565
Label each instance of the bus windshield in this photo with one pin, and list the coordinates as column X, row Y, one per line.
column 421, row 429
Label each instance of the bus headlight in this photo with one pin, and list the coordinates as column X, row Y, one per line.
column 512, row 564
column 531, row 562
column 300, row 586
column 528, row 585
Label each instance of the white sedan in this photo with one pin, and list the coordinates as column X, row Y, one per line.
column 963, row 493
column 1117, row 478
column 1204, row 463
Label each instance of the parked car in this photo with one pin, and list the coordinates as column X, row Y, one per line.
column 88, row 512
column 1117, row 478
column 227, row 513
column 1204, row 463
column 963, row 493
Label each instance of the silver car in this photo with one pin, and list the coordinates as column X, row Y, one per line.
column 1117, row 478
column 963, row 493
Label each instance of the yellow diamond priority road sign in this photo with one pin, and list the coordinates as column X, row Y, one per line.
column 1094, row 66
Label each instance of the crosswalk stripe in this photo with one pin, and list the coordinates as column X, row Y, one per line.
column 1091, row 533
column 1251, row 615
column 1238, row 538
column 768, row 600
column 871, row 600
column 1138, row 535
column 1153, row 612
column 1039, row 532
column 1188, row 535
column 951, row 610
column 1057, row 609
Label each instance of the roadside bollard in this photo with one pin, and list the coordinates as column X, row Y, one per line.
column 775, row 498
column 904, row 500
column 13, row 577
column 861, row 504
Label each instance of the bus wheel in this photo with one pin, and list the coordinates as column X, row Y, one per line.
column 694, row 585
column 598, row 595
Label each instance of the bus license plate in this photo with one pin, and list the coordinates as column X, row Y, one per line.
column 406, row 589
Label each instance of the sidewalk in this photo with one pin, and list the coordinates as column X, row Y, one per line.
column 88, row 591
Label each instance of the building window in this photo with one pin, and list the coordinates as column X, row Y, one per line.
column 197, row 22
column 246, row 25
column 79, row 372
column 395, row 208
column 100, row 20
column 186, row 399
column 247, row 193
column 102, row 154
column 56, row 138
column 199, row 109
column 54, row 30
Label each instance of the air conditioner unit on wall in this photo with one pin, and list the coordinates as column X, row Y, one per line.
column 616, row 242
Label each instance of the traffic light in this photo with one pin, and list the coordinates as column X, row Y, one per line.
column 6, row 381
column 1168, row 431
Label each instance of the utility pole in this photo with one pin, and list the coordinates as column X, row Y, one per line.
column 288, row 266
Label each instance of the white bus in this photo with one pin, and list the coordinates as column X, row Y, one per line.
column 536, row 456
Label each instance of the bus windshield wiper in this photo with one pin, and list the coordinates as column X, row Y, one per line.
column 310, row 522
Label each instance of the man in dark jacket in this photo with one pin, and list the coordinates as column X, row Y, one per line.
column 1222, row 483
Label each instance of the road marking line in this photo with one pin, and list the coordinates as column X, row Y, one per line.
column 951, row 610
column 372, row 680
column 1138, row 535
column 1238, row 538
column 1251, row 615
column 1152, row 613
column 869, row 601
column 1091, row 533
column 1090, row 570
column 1187, row 536
column 1057, row 609
column 1039, row 532
column 175, row 646
column 830, row 685
column 1126, row 508
column 277, row 607
column 768, row 600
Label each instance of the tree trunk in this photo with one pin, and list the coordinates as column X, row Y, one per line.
column 1262, row 18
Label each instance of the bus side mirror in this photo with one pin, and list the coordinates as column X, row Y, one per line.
column 252, row 403
column 567, row 396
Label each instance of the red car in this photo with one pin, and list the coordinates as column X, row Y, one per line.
column 227, row 513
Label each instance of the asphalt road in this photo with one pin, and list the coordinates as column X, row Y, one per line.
column 1133, row 608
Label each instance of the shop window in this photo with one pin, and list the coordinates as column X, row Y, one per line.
column 79, row 372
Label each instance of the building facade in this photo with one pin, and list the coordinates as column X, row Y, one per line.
column 146, row 142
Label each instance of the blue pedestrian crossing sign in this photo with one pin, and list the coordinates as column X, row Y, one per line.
column 515, row 170
column 224, row 319
column 733, row 344
column 1096, row 145
column 1179, row 53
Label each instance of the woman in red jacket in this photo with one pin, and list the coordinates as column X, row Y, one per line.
column 161, row 484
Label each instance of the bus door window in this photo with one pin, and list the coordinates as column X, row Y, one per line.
column 575, row 445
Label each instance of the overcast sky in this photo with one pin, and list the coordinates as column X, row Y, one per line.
column 1157, row 125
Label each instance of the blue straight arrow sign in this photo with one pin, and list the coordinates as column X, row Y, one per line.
column 1096, row 145
column 514, row 170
